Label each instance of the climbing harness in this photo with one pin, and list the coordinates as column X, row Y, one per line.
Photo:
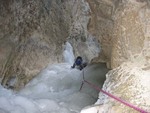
column 110, row 95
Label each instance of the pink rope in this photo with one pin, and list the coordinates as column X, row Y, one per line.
column 116, row 98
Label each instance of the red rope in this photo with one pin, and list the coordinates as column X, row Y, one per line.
column 112, row 96
column 116, row 98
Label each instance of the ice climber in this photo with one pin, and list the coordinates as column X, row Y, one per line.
column 79, row 63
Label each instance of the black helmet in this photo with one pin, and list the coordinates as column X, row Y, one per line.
column 79, row 57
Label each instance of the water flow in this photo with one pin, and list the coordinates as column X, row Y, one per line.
column 55, row 90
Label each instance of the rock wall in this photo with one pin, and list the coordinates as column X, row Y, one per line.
column 83, row 42
column 131, row 33
column 122, row 27
column 31, row 36
column 33, row 32
column 131, row 86
column 101, row 26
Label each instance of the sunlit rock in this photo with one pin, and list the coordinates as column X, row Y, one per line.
column 125, row 40
column 131, row 86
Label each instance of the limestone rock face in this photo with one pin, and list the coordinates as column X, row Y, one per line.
column 131, row 36
column 131, row 86
column 84, row 43
column 33, row 33
column 122, row 27
column 101, row 26
column 31, row 36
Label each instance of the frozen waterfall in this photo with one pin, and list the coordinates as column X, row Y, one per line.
column 68, row 53
column 55, row 90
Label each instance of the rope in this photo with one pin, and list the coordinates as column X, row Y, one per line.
column 112, row 96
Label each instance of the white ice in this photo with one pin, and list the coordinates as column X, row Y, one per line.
column 54, row 90
column 68, row 53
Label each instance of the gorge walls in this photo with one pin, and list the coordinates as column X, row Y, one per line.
column 31, row 36
column 116, row 32
column 122, row 27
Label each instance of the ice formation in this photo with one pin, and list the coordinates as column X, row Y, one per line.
column 55, row 90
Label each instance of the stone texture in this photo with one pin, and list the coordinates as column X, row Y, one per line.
column 124, row 38
column 131, row 86
column 130, row 32
column 101, row 26
column 84, row 43
column 122, row 29
column 31, row 37
column 34, row 32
